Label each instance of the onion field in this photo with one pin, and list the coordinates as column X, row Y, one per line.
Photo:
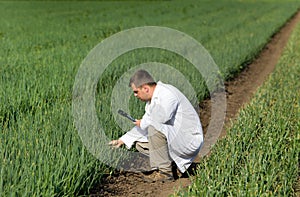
column 43, row 43
column 260, row 154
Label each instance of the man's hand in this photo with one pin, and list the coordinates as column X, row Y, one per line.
column 116, row 143
column 137, row 123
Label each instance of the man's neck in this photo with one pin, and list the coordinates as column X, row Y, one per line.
column 152, row 88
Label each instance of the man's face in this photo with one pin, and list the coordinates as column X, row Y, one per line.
column 140, row 92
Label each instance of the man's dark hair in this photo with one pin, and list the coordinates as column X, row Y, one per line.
column 141, row 77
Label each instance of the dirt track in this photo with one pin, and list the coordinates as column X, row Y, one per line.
column 239, row 91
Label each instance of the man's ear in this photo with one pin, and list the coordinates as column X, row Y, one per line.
column 146, row 88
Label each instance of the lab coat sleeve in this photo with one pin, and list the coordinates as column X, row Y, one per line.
column 159, row 113
column 135, row 134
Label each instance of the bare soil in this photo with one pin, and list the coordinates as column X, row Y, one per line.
column 238, row 92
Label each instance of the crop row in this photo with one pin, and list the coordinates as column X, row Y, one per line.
column 260, row 154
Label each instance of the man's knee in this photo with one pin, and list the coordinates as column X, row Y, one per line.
column 142, row 147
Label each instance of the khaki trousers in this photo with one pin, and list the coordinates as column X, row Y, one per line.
column 157, row 150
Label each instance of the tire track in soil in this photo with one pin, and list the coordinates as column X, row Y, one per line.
column 238, row 92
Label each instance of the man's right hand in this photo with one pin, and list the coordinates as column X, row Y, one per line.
column 137, row 123
column 116, row 143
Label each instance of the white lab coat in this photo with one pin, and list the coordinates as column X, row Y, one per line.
column 171, row 113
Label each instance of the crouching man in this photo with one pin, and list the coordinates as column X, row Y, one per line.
column 169, row 131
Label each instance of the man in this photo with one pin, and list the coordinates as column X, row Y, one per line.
column 170, row 130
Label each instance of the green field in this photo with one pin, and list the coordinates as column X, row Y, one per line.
column 42, row 47
column 260, row 154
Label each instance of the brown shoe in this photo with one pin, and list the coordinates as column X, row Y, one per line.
column 158, row 176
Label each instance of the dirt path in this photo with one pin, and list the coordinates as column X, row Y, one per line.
column 239, row 91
